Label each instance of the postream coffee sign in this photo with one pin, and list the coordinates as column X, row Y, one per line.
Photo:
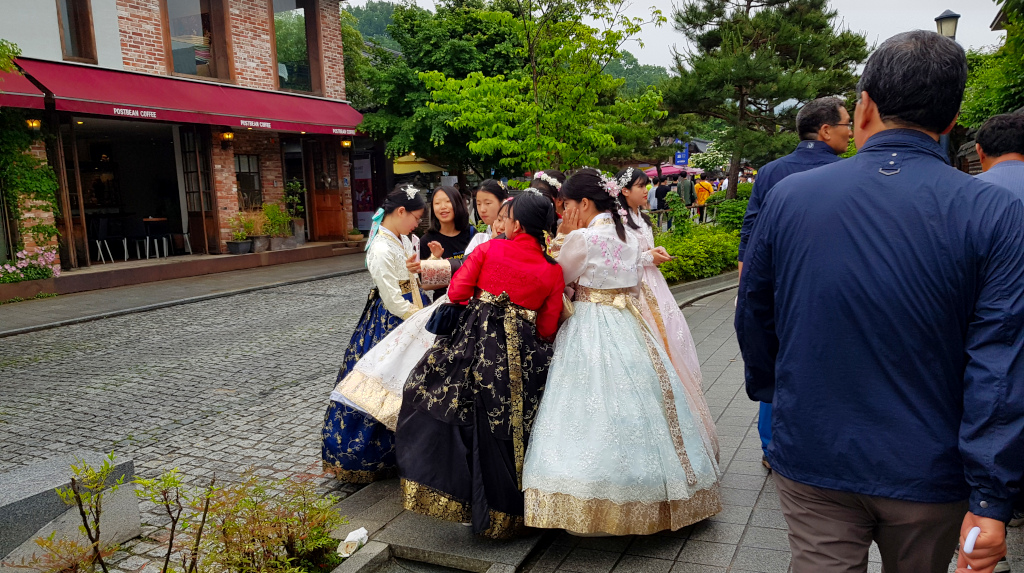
column 133, row 112
column 255, row 123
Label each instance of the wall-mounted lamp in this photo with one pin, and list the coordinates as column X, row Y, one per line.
column 226, row 138
column 34, row 124
column 413, row 153
column 346, row 143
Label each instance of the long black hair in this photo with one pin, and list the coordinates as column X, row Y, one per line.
column 588, row 184
column 634, row 176
column 492, row 186
column 536, row 213
column 400, row 197
column 458, row 207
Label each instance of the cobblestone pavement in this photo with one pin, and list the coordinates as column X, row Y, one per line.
column 222, row 385
column 210, row 387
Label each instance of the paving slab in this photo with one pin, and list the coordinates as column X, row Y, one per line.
column 421, row 538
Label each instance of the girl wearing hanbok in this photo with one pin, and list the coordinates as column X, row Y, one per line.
column 489, row 198
column 616, row 448
column 658, row 305
column 469, row 405
column 355, row 447
column 549, row 182
column 373, row 386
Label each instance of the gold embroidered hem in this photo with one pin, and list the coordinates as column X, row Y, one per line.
column 563, row 511
column 359, row 476
column 429, row 501
column 503, row 525
column 372, row 397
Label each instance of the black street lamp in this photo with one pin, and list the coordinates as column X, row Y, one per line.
column 946, row 24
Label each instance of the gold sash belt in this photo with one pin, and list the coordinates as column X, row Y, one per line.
column 412, row 286
column 514, row 312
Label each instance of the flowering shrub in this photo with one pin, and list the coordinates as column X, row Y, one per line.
column 30, row 267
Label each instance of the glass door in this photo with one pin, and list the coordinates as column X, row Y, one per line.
column 195, row 163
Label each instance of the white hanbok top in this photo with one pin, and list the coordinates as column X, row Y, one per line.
column 478, row 239
column 595, row 257
column 385, row 259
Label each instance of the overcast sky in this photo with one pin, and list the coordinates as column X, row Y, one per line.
column 877, row 19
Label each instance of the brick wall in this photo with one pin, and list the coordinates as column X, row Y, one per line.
column 225, row 190
column 142, row 36
column 268, row 147
column 251, row 27
column 333, row 52
column 251, row 31
column 32, row 212
column 345, row 173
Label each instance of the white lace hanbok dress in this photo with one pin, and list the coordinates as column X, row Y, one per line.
column 663, row 317
column 617, row 445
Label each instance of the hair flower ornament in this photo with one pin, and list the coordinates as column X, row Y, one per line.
column 529, row 191
column 611, row 185
column 626, row 177
column 548, row 179
column 410, row 192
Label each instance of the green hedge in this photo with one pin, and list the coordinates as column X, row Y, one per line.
column 703, row 251
column 730, row 214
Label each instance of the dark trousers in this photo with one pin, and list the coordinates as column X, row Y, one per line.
column 831, row 531
column 701, row 212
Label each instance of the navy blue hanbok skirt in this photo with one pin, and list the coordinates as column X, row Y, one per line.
column 355, row 447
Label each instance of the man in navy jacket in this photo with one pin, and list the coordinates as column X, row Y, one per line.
column 825, row 132
column 881, row 311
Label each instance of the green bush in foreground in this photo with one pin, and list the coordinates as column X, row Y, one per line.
column 704, row 251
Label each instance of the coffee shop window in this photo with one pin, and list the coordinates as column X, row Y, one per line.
column 197, row 36
column 297, row 37
column 247, row 173
column 77, row 38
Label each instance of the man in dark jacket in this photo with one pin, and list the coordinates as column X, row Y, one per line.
column 881, row 311
column 825, row 132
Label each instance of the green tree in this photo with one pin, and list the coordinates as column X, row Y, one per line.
column 8, row 51
column 457, row 40
column 995, row 83
column 359, row 70
column 373, row 20
column 751, row 59
column 638, row 76
column 561, row 108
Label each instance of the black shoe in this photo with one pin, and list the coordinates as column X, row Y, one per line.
column 764, row 462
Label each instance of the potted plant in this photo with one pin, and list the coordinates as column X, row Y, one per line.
column 294, row 193
column 255, row 224
column 354, row 236
column 241, row 244
column 279, row 227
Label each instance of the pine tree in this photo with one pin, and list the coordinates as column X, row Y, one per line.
column 753, row 62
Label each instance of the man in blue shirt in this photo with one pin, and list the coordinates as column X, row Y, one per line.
column 1000, row 146
column 881, row 311
column 825, row 132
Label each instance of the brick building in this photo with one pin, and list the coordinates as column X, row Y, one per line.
column 170, row 113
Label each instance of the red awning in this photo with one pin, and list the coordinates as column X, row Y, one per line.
column 17, row 91
column 87, row 89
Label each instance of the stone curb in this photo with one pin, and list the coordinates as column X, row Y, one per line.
column 188, row 300
column 689, row 293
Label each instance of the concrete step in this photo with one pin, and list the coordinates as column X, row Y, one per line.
column 397, row 535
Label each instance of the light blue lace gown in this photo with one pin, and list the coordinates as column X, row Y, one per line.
column 616, row 447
